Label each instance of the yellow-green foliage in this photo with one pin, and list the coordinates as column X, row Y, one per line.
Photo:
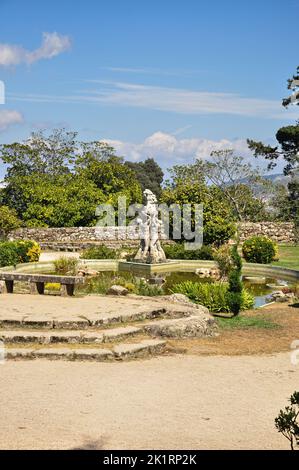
column 52, row 286
column 34, row 252
column 259, row 249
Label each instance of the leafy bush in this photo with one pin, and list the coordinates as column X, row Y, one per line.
column 235, row 284
column 54, row 286
column 34, row 252
column 287, row 422
column 100, row 252
column 259, row 249
column 66, row 265
column 103, row 281
column 99, row 284
column 215, row 296
column 24, row 251
column 28, row 251
column 150, row 290
column 223, row 258
column 8, row 254
column 8, row 221
column 217, row 229
column 177, row 251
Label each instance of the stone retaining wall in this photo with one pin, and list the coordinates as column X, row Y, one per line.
column 282, row 232
column 83, row 237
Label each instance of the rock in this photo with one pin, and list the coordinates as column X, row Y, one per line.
column 117, row 290
column 85, row 271
column 184, row 300
column 194, row 326
column 2, row 287
column 202, row 272
column 91, row 272
column 181, row 298
column 280, row 296
column 214, row 273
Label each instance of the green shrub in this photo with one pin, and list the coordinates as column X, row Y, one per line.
column 66, row 265
column 217, row 230
column 177, row 251
column 8, row 221
column 24, row 251
column 54, row 286
column 99, row 284
column 223, row 258
column 215, row 296
column 100, row 252
column 28, row 251
column 8, row 254
column 150, row 290
column 103, row 281
column 259, row 249
column 235, row 284
column 287, row 422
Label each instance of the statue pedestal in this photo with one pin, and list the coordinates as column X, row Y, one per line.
column 146, row 268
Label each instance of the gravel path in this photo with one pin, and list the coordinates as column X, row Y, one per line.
column 174, row 402
column 53, row 255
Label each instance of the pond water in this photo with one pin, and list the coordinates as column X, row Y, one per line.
column 262, row 291
column 260, row 288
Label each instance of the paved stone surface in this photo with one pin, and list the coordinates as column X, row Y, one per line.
column 97, row 354
column 132, row 349
column 122, row 351
column 71, row 336
column 88, row 310
column 115, row 333
column 53, row 353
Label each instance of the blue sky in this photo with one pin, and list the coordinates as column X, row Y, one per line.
column 168, row 79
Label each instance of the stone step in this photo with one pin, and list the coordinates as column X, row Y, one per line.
column 77, row 322
column 123, row 351
column 71, row 337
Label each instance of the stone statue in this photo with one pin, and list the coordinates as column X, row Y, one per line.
column 150, row 250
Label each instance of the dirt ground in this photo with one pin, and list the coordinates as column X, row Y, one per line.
column 170, row 402
column 251, row 340
column 224, row 393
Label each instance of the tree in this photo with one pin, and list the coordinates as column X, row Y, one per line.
column 55, row 180
column 114, row 179
column 287, row 422
column 287, row 137
column 64, row 201
column 241, row 185
column 187, row 186
column 288, row 150
column 149, row 175
column 43, row 154
column 235, row 284
column 293, row 84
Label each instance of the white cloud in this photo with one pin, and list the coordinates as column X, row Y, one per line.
column 168, row 150
column 52, row 45
column 184, row 101
column 8, row 118
column 173, row 100
column 152, row 71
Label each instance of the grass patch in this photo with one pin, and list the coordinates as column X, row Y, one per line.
column 288, row 257
column 243, row 323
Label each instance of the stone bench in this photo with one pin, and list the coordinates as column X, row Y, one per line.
column 38, row 281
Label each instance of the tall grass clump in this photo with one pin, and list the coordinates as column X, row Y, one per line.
column 66, row 265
